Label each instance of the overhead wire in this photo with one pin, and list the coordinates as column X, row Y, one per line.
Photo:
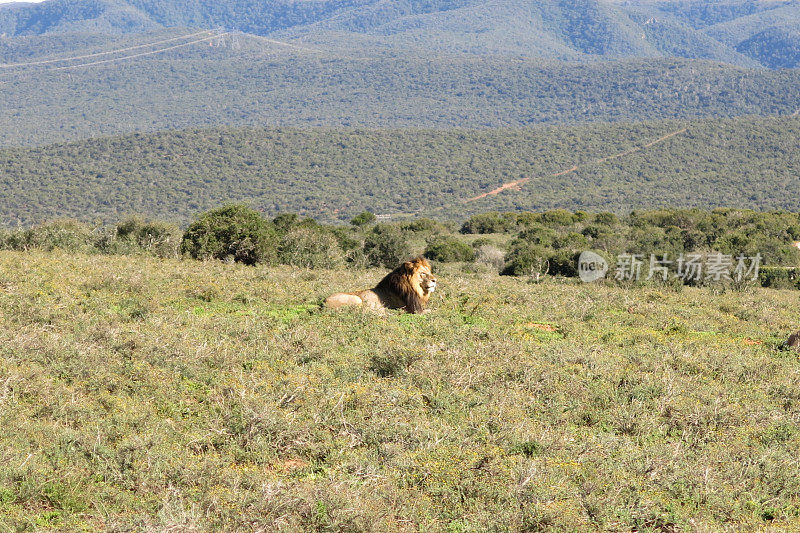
column 124, row 58
column 97, row 54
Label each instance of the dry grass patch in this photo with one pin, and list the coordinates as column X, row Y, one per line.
column 138, row 393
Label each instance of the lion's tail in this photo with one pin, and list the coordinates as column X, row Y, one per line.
column 342, row 299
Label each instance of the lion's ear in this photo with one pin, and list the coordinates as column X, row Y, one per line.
column 412, row 264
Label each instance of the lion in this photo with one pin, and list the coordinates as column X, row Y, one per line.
column 407, row 287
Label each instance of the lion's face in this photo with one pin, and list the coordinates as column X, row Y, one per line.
column 422, row 276
column 427, row 281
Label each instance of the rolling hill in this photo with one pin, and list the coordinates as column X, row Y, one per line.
column 335, row 174
column 76, row 69
column 256, row 83
column 548, row 29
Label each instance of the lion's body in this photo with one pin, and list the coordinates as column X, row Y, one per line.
column 407, row 287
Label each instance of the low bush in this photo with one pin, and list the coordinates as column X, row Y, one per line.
column 160, row 238
column 363, row 219
column 491, row 222
column 234, row 232
column 386, row 245
column 526, row 259
column 448, row 250
column 310, row 248
column 66, row 234
column 778, row 277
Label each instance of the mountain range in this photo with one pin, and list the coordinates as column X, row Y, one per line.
column 169, row 107
column 741, row 32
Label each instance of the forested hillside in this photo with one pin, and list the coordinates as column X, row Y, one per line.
column 335, row 174
column 76, row 69
column 551, row 29
column 260, row 84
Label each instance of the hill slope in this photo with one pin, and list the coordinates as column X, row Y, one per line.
column 556, row 29
column 253, row 82
column 74, row 69
column 550, row 29
column 121, row 16
column 333, row 175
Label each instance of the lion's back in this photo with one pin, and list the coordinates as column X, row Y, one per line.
column 342, row 299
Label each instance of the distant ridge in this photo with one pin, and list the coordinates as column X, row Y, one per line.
column 740, row 32
column 205, row 86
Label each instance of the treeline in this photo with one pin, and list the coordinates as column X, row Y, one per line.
column 551, row 242
column 332, row 175
column 238, row 233
column 519, row 244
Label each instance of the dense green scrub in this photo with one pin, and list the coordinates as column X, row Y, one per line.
column 333, row 175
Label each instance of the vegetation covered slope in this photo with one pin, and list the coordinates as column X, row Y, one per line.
column 261, row 17
column 165, row 395
column 270, row 84
column 552, row 29
column 336, row 174
column 779, row 46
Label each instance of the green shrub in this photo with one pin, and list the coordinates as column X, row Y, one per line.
column 448, row 250
column 66, row 234
column 492, row 222
column 428, row 225
column 538, row 235
column 778, row 277
column 558, row 218
column 422, row 225
column 363, row 219
column 285, row 221
column 526, row 259
column 310, row 248
column 346, row 238
column 606, row 219
column 482, row 241
column 234, row 232
column 571, row 241
column 160, row 238
column 131, row 236
column 564, row 263
column 386, row 245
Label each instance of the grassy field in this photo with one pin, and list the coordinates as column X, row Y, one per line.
column 145, row 394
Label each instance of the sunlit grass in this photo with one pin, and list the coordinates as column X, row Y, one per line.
column 138, row 393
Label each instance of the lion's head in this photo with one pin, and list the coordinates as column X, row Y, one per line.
column 420, row 277
column 413, row 281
